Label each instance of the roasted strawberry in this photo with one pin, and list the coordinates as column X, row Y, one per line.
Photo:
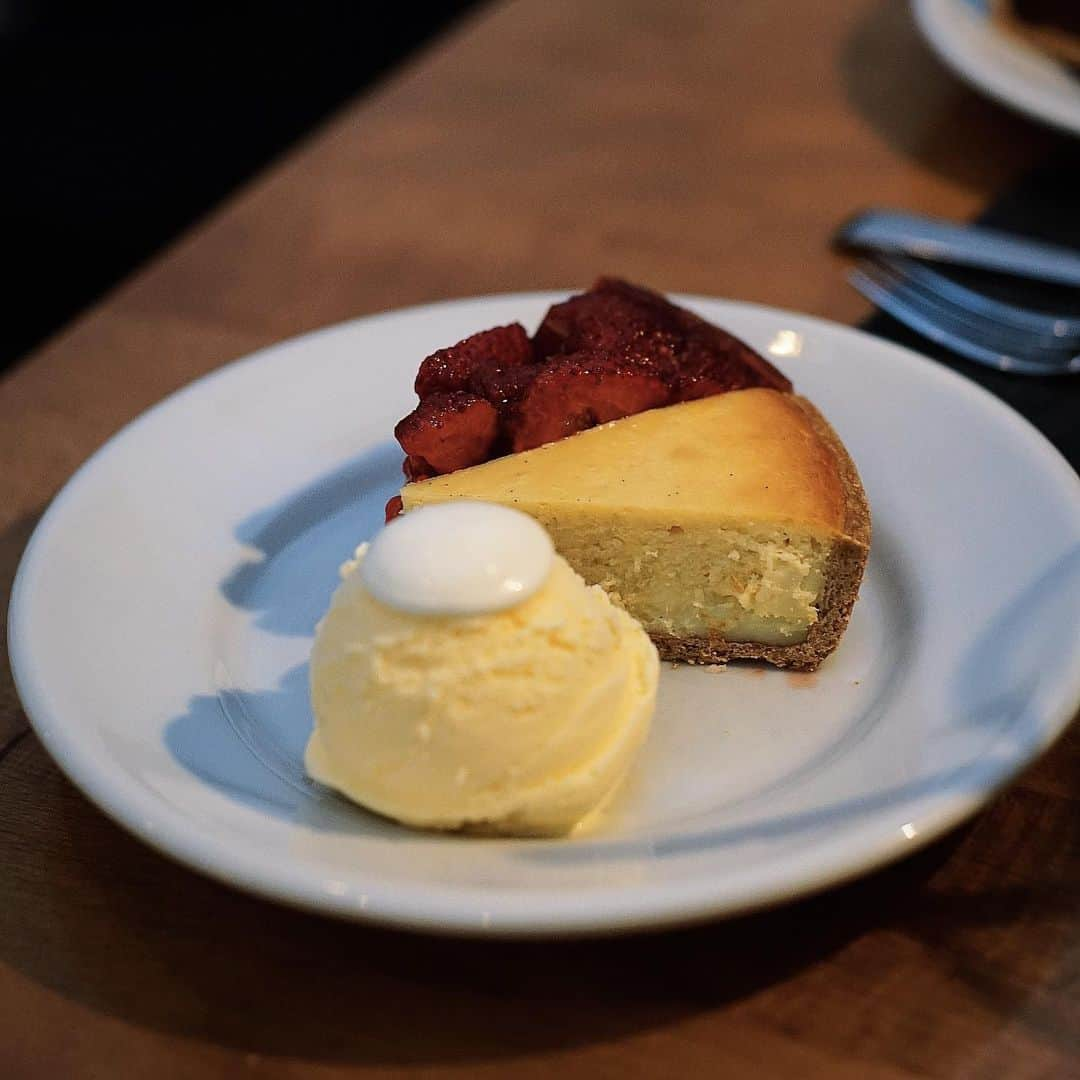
column 501, row 386
column 572, row 393
column 593, row 321
column 615, row 350
column 417, row 468
column 701, row 372
column 707, row 356
column 489, row 351
column 447, row 432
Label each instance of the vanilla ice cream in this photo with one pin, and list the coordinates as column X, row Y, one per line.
column 518, row 719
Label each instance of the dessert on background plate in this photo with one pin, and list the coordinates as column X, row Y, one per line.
column 1050, row 25
column 671, row 464
column 465, row 677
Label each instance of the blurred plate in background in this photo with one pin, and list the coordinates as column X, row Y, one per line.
column 999, row 63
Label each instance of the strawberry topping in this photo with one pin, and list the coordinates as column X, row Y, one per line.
column 613, row 351
column 579, row 391
column 446, row 432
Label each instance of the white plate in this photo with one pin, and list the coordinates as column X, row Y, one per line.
column 168, row 597
column 998, row 63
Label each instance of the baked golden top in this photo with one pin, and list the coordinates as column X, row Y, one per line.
column 754, row 455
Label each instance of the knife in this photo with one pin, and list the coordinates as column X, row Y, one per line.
column 965, row 245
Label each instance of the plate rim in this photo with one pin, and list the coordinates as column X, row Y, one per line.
column 167, row 828
column 933, row 18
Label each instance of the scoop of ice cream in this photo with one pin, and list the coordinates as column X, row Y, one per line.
column 520, row 720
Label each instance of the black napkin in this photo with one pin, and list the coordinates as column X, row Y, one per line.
column 1045, row 205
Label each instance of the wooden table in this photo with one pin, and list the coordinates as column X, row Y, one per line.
column 706, row 147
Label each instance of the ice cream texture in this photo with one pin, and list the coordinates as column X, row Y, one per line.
column 518, row 721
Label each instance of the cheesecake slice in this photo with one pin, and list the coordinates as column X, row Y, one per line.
column 733, row 526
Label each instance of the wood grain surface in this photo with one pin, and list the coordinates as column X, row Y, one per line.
column 701, row 146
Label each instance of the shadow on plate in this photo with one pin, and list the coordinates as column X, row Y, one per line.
column 248, row 744
column 319, row 525
column 218, row 741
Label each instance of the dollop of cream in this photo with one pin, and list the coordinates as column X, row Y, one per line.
column 458, row 558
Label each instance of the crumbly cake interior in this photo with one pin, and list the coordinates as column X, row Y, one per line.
column 764, row 586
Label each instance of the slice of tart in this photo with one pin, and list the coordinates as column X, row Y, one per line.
column 668, row 459
column 732, row 526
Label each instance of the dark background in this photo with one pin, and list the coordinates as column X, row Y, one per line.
column 127, row 122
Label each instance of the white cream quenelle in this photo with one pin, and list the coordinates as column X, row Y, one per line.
column 472, row 559
column 466, row 678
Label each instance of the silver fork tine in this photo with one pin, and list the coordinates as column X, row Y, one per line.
column 918, row 320
column 1006, row 339
column 1042, row 323
column 988, row 336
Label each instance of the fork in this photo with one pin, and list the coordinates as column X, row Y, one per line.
column 1044, row 324
column 990, row 332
